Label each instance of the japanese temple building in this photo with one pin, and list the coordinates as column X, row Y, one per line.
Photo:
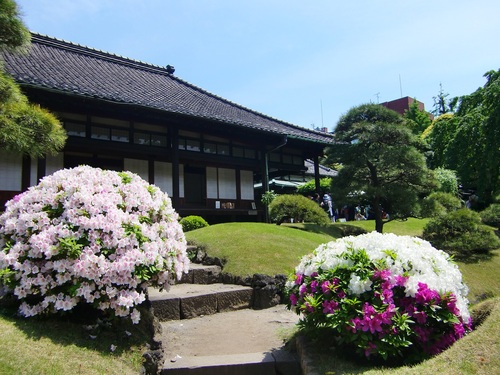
column 206, row 152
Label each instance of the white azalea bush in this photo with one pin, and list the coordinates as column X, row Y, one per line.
column 383, row 295
column 91, row 236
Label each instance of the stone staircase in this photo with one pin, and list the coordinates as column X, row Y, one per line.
column 212, row 328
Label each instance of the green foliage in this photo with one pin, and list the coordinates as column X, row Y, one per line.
column 442, row 105
column 438, row 135
column 193, row 222
column 467, row 141
column 439, row 204
column 268, row 197
column 14, row 36
column 460, row 233
column 380, row 157
column 418, row 120
column 297, row 207
column 491, row 215
column 309, row 188
column 447, row 181
column 25, row 127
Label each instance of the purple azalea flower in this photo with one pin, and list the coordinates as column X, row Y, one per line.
column 325, row 287
column 314, row 286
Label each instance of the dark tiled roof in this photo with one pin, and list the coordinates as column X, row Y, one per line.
column 323, row 171
column 70, row 68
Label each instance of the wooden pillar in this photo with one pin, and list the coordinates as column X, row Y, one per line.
column 316, row 174
column 175, row 169
column 26, row 173
column 41, row 168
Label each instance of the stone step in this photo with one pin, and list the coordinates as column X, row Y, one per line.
column 186, row 301
column 264, row 363
column 201, row 274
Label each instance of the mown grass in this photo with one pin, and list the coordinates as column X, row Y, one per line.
column 251, row 248
column 272, row 249
column 58, row 346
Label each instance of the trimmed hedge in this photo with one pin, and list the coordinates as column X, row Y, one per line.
column 460, row 233
column 193, row 222
column 439, row 203
column 298, row 208
column 491, row 215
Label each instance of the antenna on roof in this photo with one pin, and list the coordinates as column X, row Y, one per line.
column 321, row 103
column 400, row 86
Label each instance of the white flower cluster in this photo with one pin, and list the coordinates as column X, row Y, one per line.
column 88, row 234
column 402, row 255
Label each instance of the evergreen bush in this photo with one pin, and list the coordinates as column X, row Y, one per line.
column 298, row 208
column 193, row 222
column 460, row 233
column 439, row 203
column 491, row 215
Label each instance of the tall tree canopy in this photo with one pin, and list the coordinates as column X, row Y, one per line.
column 381, row 162
column 24, row 127
column 14, row 36
column 417, row 119
column 468, row 141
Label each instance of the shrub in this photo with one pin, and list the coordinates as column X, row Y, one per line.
column 309, row 188
column 193, row 222
column 439, row 203
column 297, row 207
column 89, row 236
column 383, row 295
column 447, row 181
column 491, row 215
column 460, row 233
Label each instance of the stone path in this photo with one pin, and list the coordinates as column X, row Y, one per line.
column 211, row 329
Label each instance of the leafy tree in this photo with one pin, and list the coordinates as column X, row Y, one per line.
column 417, row 119
column 480, row 121
column 14, row 36
column 438, row 136
column 24, row 127
column 467, row 141
column 309, row 188
column 443, row 105
column 381, row 159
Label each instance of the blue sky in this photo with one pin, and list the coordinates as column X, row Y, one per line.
column 304, row 62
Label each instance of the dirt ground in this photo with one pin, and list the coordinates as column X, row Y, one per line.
column 236, row 332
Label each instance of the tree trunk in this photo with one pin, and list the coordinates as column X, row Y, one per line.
column 379, row 222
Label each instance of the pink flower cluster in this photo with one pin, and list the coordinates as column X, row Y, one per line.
column 86, row 235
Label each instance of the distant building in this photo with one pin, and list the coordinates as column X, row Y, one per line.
column 403, row 104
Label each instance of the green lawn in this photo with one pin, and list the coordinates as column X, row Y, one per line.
column 59, row 347
column 273, row 249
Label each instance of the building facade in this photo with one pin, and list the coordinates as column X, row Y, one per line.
column 204, row 151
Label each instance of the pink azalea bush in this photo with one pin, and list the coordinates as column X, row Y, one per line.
column 86, row 235
column 386, row 296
